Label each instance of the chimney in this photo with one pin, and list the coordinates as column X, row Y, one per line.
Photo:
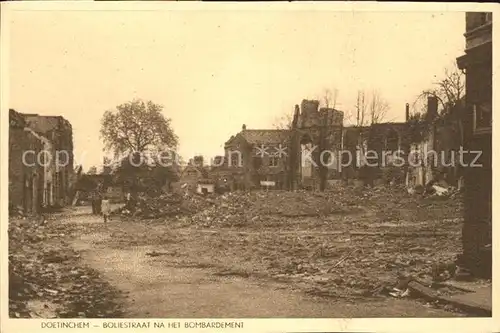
column 407, row 112
column 432, row 107
column 244, row 127
column 296, row 116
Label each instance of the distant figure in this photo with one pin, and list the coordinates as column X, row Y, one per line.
column 106, row 208
column 100, row 193
column 98, row 203
column 128, row 197
column 133, row 200
column 94, row 197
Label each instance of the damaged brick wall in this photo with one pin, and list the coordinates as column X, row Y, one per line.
column 382, row 142
column 387, row 139
column 26, row 177
column 59, row 131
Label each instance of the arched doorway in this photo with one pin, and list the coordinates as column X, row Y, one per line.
column 306, row 149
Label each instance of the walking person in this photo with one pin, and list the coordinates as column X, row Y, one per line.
column 127, row 201
column 106, row 208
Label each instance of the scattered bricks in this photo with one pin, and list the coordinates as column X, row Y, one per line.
column 49, row 270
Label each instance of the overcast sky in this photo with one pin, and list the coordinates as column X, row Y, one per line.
column 214, row 71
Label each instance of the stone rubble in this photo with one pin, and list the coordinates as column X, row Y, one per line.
column 345, row 243
column 376, row 233
column 44, row 270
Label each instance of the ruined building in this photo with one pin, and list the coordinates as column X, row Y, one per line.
column 255, row 158
column 26, row 178
column 311, row 153
column 40, row 161
column 477, row 120
column 435, row 147
column 60, row 133
column 273, row 158
column 316, row 132
column 318, row 152
column 373, row 150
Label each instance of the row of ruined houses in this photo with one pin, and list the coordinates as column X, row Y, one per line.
column 437, row 147
column 40, row 162
column 319, row 152
column 274, row 158
column 262, row 163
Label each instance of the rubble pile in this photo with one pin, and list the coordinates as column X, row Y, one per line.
column 46, row 280
column 267, row 208
column 253, row 209
column 347, row 241
column 437, row 188
column 15, row 211
column 231, row 209
column 352, row 264
column 165, row 205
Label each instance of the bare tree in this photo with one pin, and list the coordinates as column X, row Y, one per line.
column 361, row 111
column 284, row 122
column 449, row 91
column 452, row 88
column 348, row 117
column 370, row 108
column 360, row 122
column 330, row 98
column 378, row 108
column 354, row 116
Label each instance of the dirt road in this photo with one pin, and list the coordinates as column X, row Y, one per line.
column 164, row 285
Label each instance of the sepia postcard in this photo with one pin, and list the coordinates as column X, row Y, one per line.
column 247, row 167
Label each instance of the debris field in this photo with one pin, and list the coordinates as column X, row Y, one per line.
column 349, row 244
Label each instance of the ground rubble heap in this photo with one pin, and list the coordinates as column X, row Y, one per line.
column 46, row 279
column 164, row 205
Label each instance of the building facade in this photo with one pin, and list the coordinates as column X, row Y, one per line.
column 477, row 64
column 35, row 180
column 192, row 175
column 59, row 133
column 285, row 158
column 318, row 152
column 312, row 154
column 254, row 159
column 316, row 142
column 26, row 176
